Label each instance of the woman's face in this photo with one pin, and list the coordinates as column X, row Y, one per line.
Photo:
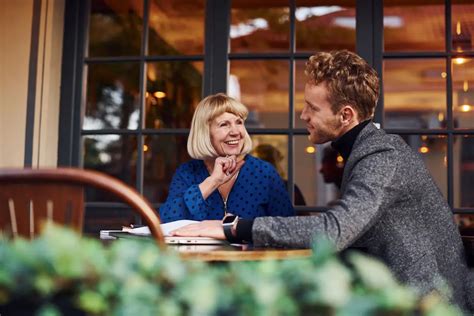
column 227, row 134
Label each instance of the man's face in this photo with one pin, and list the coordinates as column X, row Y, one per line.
column 322, row 124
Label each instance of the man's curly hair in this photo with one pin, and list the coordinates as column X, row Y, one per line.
column 348, row 78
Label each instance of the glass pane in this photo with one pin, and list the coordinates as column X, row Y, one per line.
column 115, row 28
column 274, row 149
column 414, row 27
column 318, row 171
column 463, row 171
column 300, row 82
column 176, row 27
column 415, row 93
column 463, row 92
column 112, row 99
column 163, row 155
column 432, row 149
column 115, row 155
column 173, row 91
column 325, row 27
column 462, row 26
column 262, row 85
column 259, row 26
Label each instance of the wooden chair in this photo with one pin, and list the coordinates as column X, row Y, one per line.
column 29, row 196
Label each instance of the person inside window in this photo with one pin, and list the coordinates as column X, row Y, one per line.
column 271, row 154
column 390, row 204
column 223, row 178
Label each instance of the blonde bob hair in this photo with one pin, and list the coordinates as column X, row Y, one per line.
column 199, row 140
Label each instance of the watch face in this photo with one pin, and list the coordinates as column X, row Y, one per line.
column 229, row 219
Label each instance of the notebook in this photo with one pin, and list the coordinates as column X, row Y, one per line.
column 175, row 240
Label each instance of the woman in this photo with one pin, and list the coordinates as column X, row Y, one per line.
column 222, row 178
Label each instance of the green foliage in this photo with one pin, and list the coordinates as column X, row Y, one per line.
column 135, row 278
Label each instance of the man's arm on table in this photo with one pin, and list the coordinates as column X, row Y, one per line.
column 352, row 216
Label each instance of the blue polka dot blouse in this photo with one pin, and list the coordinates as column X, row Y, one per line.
column 257, row 191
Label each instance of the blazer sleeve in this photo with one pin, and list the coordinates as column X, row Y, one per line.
column 369, row 186
column 185, row 199
column 279, row 201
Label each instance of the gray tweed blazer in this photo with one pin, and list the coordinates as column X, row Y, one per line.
column 389, row 205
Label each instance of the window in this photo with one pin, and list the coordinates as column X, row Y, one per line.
column 137, row 69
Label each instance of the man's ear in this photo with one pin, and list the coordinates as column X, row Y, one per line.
column 348, row 115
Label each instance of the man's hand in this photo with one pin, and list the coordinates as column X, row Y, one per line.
column 211, row 229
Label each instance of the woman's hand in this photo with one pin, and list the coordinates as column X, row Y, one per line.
column 211, row 229
column 225, row 168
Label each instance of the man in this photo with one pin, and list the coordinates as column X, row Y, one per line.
column 389, row 203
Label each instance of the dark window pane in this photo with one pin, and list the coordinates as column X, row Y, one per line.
column 103, row 218
column 462, row 25
column 318, row 172
column 415, row 93
column 463, row 92
column 433, row 151
column 176, row 27
column 173, row 91
column 262, row 85
column 115, row 155
column 463, row 171
column 259, row 26
column 414, row 26
column 112, row 99
column 325, row 27
column 115, row 28
column 163, row 154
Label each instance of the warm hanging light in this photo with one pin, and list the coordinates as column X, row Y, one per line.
column 465, row 108
column 458, row 28
column 459, row 60
column 424, row 149
column 465, row 98
column 145, row 148
column 159, row 94
column 310, row 149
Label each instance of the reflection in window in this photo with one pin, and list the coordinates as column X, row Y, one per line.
column 112, row 96
column 300, row 82
column 176, row 27
column 463, row 167
column 259, row 26
column 173, row 91
column 325, row 27
column 262, row 85
column 274, row 149
column 115, row 155
column 163, row 154
column 415, row 93
column 433, row 152
column 414, row 27
column 318, row 172
column 462, row 28
column 115, row 28
column 463, row 92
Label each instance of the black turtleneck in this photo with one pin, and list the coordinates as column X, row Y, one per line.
column 343, row 145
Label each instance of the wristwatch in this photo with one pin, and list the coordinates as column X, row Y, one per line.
column 229, row 224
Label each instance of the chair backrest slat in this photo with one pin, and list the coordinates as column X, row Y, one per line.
column 30, row 196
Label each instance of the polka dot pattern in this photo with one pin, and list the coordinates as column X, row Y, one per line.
column 258, row 191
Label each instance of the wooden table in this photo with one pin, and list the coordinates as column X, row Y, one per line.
column 234, row 253
column 223, row 253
